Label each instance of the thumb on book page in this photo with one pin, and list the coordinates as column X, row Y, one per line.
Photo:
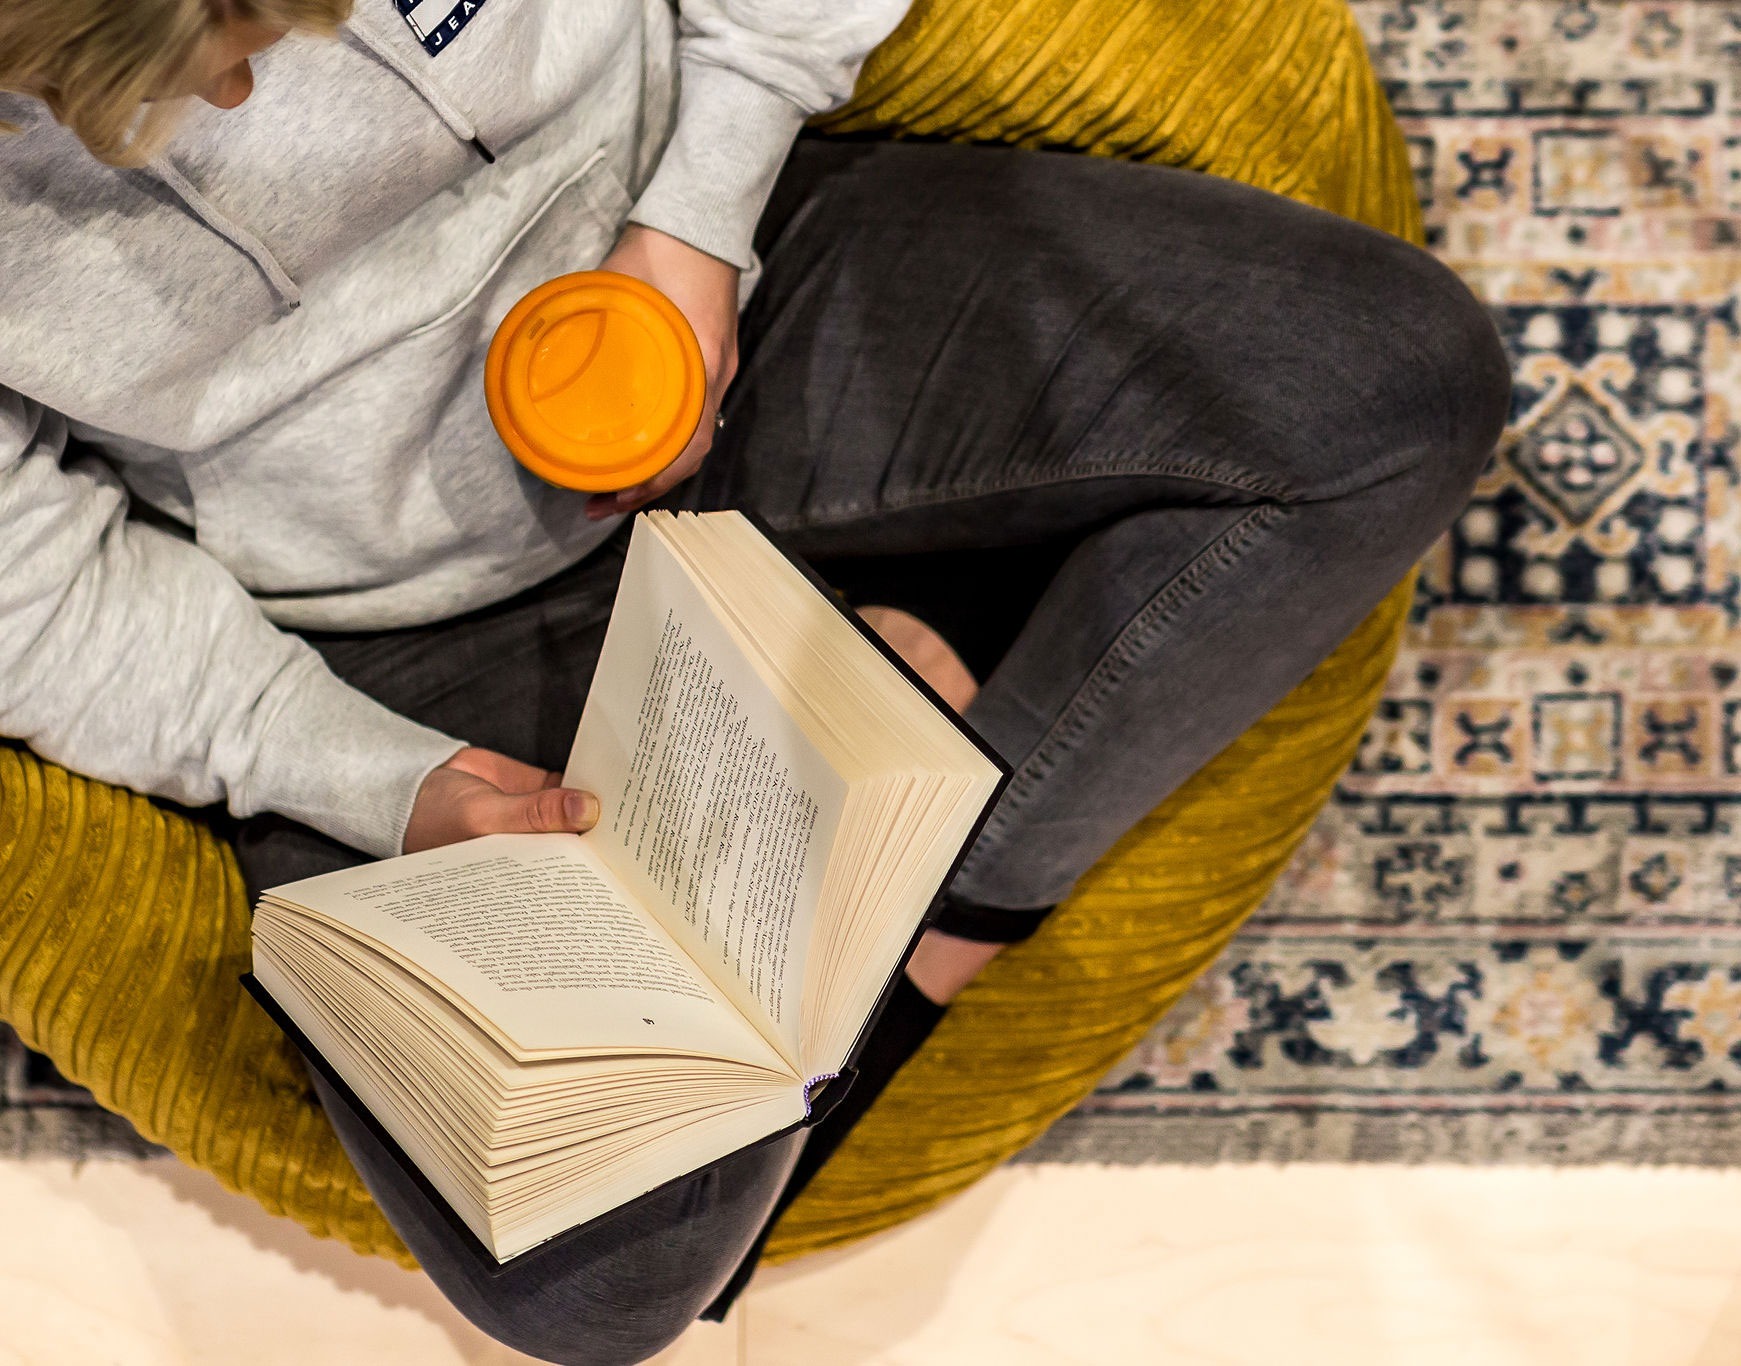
column 478, row 793
column 533, row 813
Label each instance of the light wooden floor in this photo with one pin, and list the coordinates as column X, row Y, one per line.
column 153, row 1265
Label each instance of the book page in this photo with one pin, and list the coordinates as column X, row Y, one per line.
column 535, row 937
column 715, row 806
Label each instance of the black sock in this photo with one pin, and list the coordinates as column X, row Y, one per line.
column 905, row 1024
column 986, row 924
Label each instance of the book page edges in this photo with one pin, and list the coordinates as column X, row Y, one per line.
column 978, row 763
column 476, row 1243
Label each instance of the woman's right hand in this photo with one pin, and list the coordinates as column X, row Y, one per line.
column 480, row 792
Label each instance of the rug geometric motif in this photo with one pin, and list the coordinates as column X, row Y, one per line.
column 1516, row 932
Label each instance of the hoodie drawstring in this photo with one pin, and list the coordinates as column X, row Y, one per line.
column 285, row 289
column 288, row 294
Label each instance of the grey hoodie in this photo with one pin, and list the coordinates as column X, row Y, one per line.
column 272, row 341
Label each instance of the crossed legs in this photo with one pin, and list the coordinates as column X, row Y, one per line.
column 1226, row 422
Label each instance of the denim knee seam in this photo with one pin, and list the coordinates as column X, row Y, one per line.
column 1361, row 477
column 1119, row 657
column 817, row 514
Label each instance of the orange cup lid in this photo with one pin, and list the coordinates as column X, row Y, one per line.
column 595, row 381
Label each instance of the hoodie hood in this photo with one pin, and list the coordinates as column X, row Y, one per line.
column 416, row 76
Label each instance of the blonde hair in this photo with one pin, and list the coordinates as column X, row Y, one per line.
column 97, row 64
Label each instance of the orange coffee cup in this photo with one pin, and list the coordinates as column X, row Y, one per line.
column 595, row 381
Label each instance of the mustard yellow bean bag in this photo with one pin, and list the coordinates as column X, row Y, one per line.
column 123, row 925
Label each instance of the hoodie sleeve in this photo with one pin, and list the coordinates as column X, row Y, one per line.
column 130, row 655
column 749, row 73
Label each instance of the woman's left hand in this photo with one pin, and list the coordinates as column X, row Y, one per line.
column 706, row 289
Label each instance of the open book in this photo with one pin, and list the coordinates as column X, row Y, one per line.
column 548, row 1026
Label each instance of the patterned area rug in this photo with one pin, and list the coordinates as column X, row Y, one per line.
column 44, row 1115
column 1516, row 934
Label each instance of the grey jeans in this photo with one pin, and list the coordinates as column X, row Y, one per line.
column 1228, row 423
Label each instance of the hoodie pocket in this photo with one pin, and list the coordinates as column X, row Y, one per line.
column 601, row 190
column 384, row 469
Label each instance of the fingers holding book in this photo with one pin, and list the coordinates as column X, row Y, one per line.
column 481, row 792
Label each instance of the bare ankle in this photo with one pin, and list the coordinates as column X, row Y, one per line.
column 944, row 963
column 926, row 652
